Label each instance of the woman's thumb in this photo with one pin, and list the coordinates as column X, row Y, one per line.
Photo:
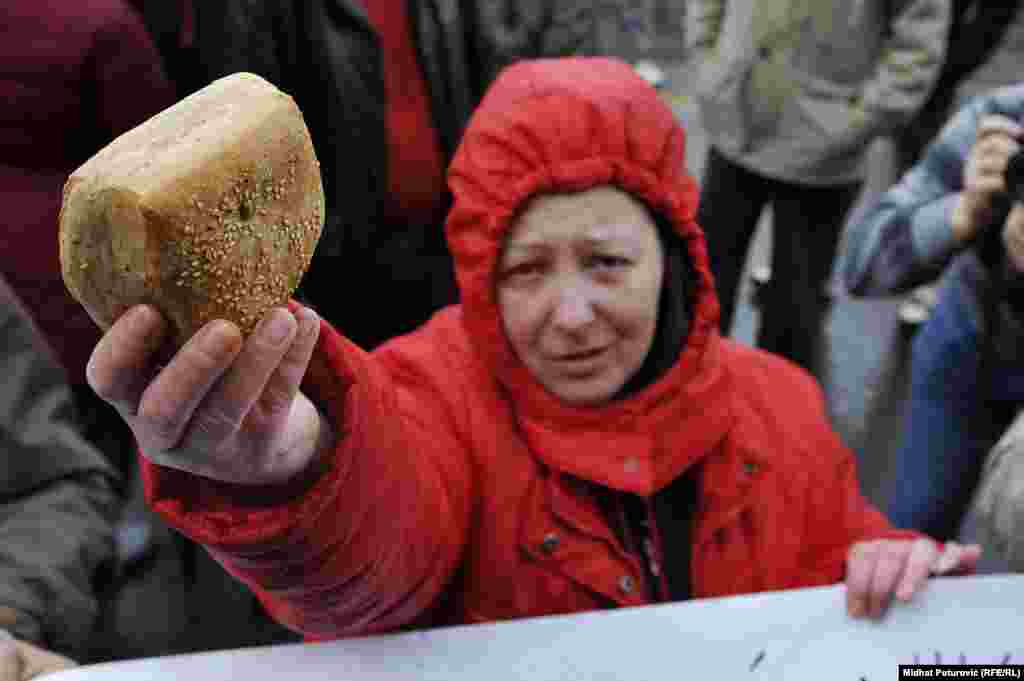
column 10, row 658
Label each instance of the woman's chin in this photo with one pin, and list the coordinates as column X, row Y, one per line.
column 586, row 391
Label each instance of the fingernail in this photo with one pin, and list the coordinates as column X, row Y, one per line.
column 277, row 326
column 309, row 321
column 215, row 338
column 856, row 608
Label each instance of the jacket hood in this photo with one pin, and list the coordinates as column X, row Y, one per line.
column 565, row 126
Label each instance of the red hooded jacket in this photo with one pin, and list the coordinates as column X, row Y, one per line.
column 460, row 490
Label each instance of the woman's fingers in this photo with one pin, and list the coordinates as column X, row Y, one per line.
column 229, row 401
column 878, row 570
column 124, row 361
column 918, row 568
column 956, row 559
column 167, row 404
column 284, row 383
column 889, row 564
column 217, row 396
column 860, row 568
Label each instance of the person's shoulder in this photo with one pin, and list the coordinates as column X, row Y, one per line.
column 443, row 332
column 773, row 389
column 441, row 347
column 753, row 368
column 781, row 415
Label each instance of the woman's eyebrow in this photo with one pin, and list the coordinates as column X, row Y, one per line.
column 604, row 239
column 525, row 246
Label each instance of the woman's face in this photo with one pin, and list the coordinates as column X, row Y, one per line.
column 578, row 284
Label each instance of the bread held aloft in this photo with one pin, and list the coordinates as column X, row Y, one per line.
column 209, row 210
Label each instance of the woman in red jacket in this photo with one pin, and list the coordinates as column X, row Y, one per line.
column 574, row 435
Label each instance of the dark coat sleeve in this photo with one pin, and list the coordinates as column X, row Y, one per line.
column 57, row 495
column 527, row 29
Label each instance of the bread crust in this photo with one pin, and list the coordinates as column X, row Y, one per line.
column 209, row 210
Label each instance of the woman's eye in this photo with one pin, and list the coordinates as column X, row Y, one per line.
column 522, row 271
column 608, row 262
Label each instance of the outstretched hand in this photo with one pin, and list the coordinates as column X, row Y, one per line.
column 223, row 408
column 876, row 571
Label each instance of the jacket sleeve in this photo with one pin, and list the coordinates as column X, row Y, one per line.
column 906, row 239
column 838, row 512
column 909, row 65
column 372, row 544
column 998, row 505
column 59, row 498
column 703, row 25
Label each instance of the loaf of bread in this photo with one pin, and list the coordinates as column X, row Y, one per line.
column 209, row 210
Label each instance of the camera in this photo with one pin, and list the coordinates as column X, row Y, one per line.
column 1014, row 176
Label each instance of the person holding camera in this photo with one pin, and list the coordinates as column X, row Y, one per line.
column 957, row 213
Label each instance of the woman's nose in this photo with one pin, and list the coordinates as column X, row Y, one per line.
column 574, row 307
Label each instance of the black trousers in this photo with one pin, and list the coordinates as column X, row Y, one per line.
column 806, row 225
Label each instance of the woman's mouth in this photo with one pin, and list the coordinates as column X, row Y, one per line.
column 580, row 356
column 583, row 364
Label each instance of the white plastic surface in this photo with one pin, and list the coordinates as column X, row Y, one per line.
column 794, row 635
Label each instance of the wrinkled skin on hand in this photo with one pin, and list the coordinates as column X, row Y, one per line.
column 877, row 571
column 223, row 407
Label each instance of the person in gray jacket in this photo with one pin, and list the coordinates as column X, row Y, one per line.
column 998, row 505
column 791, row 93
column 954, row 215
column 59, row 498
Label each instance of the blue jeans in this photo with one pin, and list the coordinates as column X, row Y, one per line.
column 949, row 425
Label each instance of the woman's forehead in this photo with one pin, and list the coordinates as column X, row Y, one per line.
column 599, row 215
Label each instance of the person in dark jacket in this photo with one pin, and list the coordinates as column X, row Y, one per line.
column 574, row 435
column 386, row 88
column 59, row 502
column 76, row 74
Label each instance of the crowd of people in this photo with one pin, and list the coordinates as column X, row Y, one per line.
column 542, row 411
